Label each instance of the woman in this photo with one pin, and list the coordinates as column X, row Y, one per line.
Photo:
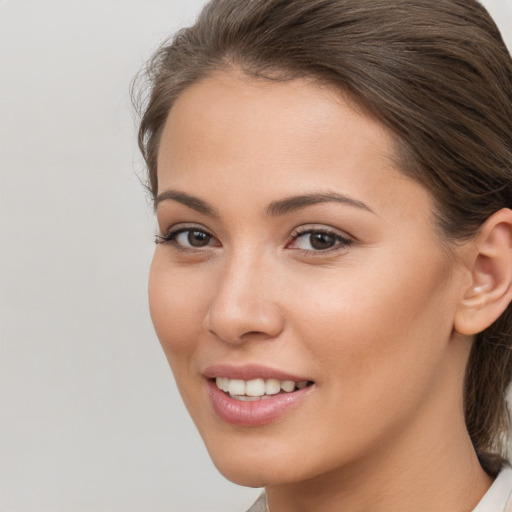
column 333, row 269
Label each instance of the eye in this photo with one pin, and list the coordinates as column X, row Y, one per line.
column 187, row 238
column 318, row 240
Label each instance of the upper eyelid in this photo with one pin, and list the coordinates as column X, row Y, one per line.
column 300, row 231
column 185, row 226
column 306, row 229
column 169, row 235
column 169, row 238
column 340, row 237
column 294, row 233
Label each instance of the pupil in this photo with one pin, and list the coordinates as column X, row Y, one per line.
column 322, row 241
column 198, row 238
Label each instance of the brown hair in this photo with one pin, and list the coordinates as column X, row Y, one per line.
column 436, row 73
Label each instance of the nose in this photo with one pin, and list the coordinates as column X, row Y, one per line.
column 244, row 304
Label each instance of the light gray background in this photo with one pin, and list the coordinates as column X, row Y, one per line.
column 90, row 419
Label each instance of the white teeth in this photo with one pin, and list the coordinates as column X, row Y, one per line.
column 244, row 398
column 272, row 387
column 236, row 387
column 222, row 383
column 288, row 385
column 257, row 388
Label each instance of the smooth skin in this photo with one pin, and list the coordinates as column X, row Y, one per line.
column 357, row 292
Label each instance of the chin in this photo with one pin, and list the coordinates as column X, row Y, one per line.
column 261, row 460
column 241, row 462
column 243, row 475
column 253, row 474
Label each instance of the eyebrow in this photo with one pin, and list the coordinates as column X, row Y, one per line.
column 191, row 201
column 295, row 203
column 275, row 208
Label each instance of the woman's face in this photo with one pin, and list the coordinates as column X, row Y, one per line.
column 302, row 270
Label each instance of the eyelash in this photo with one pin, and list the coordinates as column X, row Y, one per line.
column 341, row 242
column 170, row 238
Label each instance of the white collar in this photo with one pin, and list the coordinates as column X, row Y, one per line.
column 494, row 500
column 498, row 495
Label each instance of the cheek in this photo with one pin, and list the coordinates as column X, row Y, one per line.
column 371, row 329
column 177, row 305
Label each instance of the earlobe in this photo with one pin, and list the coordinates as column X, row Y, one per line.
column 490, row 290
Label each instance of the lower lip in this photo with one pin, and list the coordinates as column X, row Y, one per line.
column 255, row 413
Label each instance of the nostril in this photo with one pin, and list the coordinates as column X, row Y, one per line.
column 245, row 319
column 256, row 336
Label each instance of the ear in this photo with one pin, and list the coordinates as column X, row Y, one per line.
column 490, row 290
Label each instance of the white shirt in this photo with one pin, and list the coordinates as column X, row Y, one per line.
column 497, row 499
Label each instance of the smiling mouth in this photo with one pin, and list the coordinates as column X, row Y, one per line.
column 258, row 389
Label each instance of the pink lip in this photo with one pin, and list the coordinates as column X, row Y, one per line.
column 248, row 372
column 259, row 412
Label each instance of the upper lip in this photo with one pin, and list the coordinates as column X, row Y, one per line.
column 249, row 372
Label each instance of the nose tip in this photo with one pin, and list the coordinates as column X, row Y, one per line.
column 235, row 327
column 243, row 308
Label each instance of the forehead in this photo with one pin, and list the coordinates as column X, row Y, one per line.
column 300, row 108
column 248, row 136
